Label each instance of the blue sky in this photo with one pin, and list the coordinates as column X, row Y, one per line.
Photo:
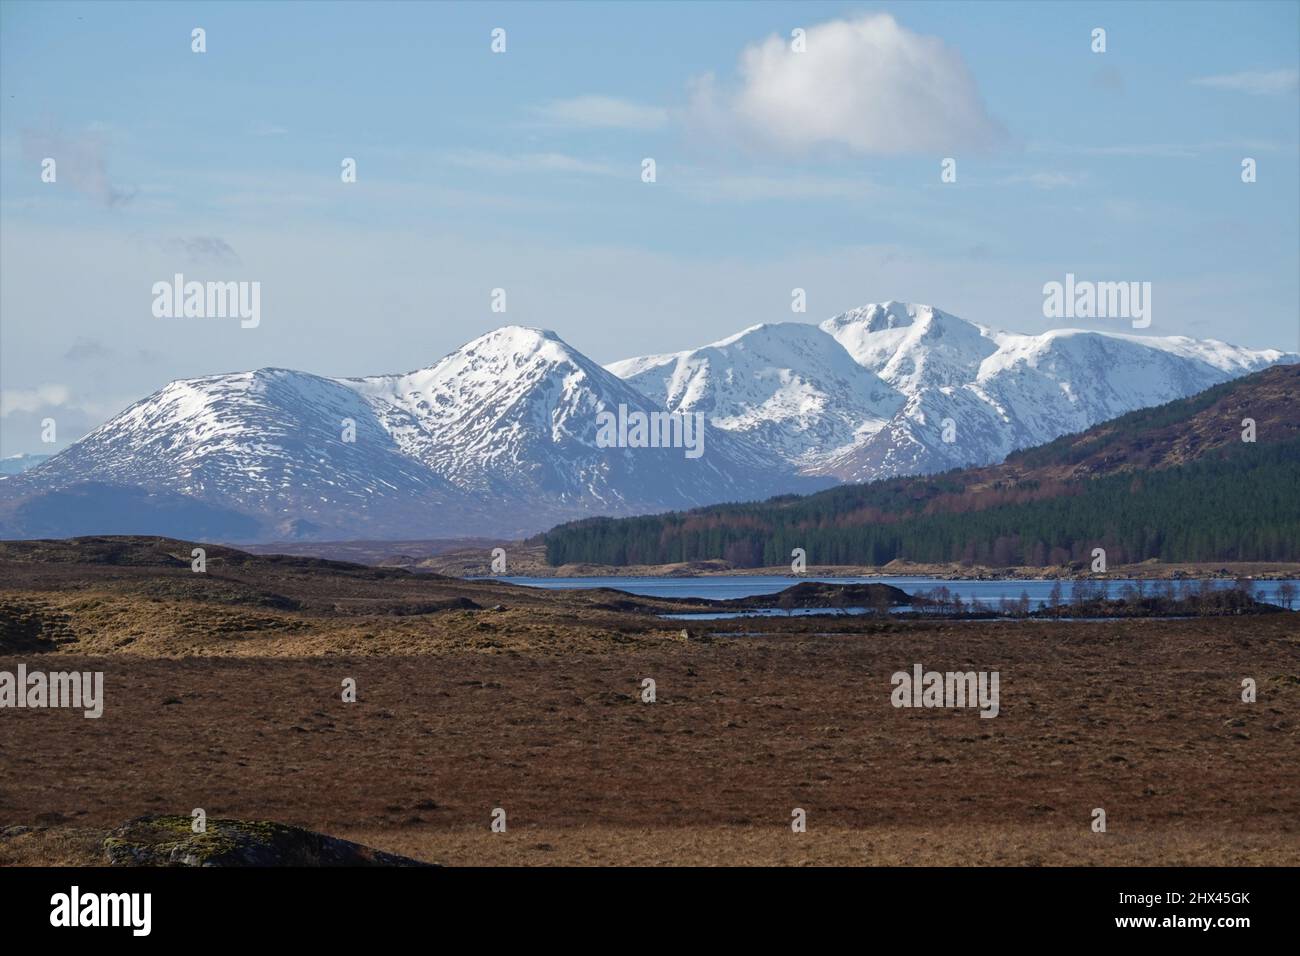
column 522, row 171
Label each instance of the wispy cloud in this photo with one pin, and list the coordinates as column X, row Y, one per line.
column 87, row 349
column 1255, row 82
column 81, row 161
column 603, row 112
column 14, row 400
column 200, row 249
column 483, row 160
column 272, row 196
column 1044, row 179
column 1163, row 150
column 741, row 187
column 23, row 412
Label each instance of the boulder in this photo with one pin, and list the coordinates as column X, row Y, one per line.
column 170, row 841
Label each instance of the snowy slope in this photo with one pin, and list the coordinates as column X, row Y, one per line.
column 266, row 443
column 1003, row 391
column 788, row 387
column 512, row 416
column 912, row 346
column 1000, row 391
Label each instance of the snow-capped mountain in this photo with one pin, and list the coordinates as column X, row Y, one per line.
column 497, row 438
column 944, row 393
column 500, row 437
column 512, row 417
column 268, row 443
column 1001, row 391
column 789, row 388
column 912, row 346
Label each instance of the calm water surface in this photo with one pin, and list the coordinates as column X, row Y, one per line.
column 723, row 588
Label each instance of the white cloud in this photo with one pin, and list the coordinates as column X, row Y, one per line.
column 31, row 399
column 603, row 112
column 52, row 397
column 1255, row 82
column 867, row 85
column 23, row 412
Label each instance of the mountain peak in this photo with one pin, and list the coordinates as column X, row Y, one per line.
column 519, row 333
column 515, row 339
column 882, row 316
column 513, row 347
column 912, row 346
column 492, row 358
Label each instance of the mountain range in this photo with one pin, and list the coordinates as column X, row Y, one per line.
column 1211, row 477
column 914, row 368
column 500, row 437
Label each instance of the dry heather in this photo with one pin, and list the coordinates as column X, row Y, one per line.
column 221, row 695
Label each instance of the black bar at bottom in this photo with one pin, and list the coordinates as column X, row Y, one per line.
column 206, row 906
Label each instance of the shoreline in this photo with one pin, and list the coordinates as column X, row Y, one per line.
column 1144, row 572
column 528, row 560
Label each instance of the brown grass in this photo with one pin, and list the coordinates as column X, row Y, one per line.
column 1148, row 725
column 776, row 845
column 235, row 707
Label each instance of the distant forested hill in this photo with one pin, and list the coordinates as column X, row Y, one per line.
column 1175, row 482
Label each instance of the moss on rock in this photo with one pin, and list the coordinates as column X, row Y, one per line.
column 170, row 841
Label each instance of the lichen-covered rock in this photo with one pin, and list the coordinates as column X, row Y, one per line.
column 170, row 841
